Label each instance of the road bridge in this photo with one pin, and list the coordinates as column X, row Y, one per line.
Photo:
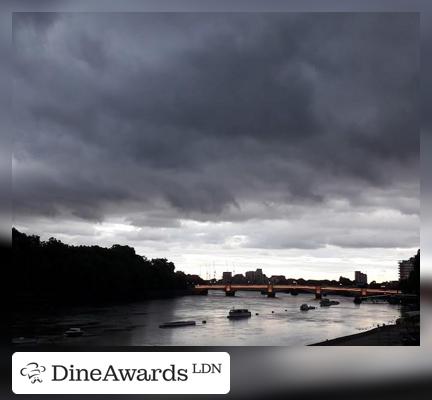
column 270, row 290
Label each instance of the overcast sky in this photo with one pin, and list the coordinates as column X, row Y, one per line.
column 288, row 142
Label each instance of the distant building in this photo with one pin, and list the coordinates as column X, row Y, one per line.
column 275, row 279
column 259, row 276
column 405, row 268
column 256, row 276
column 250, row 276
column 360, row 278
column 239, row 279
column 226, row 277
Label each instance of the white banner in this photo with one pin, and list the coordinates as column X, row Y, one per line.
column 120, row 373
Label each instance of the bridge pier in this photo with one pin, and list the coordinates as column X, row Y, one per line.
column 270, row 291
column 228, row 291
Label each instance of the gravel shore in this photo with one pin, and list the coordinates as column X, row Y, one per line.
column 388, row 335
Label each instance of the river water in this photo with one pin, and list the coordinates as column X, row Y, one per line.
column 279, row 321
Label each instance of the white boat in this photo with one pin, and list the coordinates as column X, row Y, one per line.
column 237, row 313
column 74, row 332
column 175, row 324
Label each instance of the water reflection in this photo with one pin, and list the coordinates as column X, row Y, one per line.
column 279, row 321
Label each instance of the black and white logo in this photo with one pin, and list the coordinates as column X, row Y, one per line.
column 33, row 371
column 74, row 372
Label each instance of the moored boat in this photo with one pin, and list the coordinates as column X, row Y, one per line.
column 175, row 324
column 23, row 340
column 239, row 313
column 328, row 303
column 74, row 332
column 306, row 307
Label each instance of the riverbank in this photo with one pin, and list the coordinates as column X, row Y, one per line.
column 387, row 335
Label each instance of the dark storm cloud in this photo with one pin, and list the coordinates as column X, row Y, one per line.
column 201, row 115
column 38, row 22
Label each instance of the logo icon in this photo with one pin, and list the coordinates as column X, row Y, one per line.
column 33, row 371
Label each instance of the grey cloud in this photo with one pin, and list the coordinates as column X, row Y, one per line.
column 210, row 117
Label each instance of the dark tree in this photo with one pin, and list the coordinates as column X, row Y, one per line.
column 56, row 272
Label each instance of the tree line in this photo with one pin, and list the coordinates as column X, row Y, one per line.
column 54, row 271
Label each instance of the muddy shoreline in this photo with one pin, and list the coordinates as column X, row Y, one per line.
column 387, row 335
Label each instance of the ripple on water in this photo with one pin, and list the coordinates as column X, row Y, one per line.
column 138, row 323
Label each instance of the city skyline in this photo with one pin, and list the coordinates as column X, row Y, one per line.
column 209, row 276
column 288, row 141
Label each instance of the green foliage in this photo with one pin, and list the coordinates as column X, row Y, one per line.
column 55, row 271
column 345, row 281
